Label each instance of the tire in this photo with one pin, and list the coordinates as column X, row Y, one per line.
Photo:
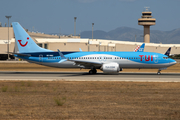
column 94, row 71
column 90, row 72
column 158, row 73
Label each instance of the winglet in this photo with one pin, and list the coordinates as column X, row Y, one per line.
column 168, row 51
column 63, row 58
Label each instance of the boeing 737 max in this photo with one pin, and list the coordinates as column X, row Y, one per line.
column 109, row 62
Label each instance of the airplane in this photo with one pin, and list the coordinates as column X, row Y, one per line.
column 139, row 48
column 108, row 62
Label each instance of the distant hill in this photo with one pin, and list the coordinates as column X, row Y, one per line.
column 128, row 34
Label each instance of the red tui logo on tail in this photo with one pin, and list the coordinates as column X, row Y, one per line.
column 23, row 45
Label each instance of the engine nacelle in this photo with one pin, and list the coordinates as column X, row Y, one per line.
column 110, row 68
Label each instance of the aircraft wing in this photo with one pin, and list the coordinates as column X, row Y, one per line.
column 86, row 64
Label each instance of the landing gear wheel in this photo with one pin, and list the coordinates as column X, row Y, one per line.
column 90, row 72
column 94, row 71
column 159, row 72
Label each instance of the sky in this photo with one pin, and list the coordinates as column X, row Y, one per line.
column 57, row 16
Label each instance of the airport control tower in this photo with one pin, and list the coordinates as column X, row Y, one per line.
column 146, row 20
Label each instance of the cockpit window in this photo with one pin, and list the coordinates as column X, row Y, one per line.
column 165, row 57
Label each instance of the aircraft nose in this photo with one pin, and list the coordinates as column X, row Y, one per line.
column 172, row 62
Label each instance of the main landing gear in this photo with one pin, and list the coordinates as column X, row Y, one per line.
column 93, row 71
column 159, row 72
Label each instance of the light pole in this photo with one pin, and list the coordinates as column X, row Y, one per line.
column 88, row 45
column 92, row 30
column 8, row 35
column 75, row 26
column 99, row 45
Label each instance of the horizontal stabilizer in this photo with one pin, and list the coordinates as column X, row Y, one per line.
column 24, row 55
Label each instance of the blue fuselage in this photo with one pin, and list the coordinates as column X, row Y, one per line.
column 124, row 59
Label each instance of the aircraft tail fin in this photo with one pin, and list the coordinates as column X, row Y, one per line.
column 80, row 49
column 135, row 50
column 24, row 42
column 168, row 51
column 140, row 49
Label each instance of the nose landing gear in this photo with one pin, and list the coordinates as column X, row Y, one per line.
column 159, row 72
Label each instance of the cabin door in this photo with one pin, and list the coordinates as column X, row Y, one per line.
column 40, row 58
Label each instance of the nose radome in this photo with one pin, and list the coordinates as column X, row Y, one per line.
column 173, row 62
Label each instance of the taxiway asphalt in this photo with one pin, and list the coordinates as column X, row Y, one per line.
column 80, row 76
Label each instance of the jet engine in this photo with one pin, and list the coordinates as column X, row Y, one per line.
column 110, row 68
